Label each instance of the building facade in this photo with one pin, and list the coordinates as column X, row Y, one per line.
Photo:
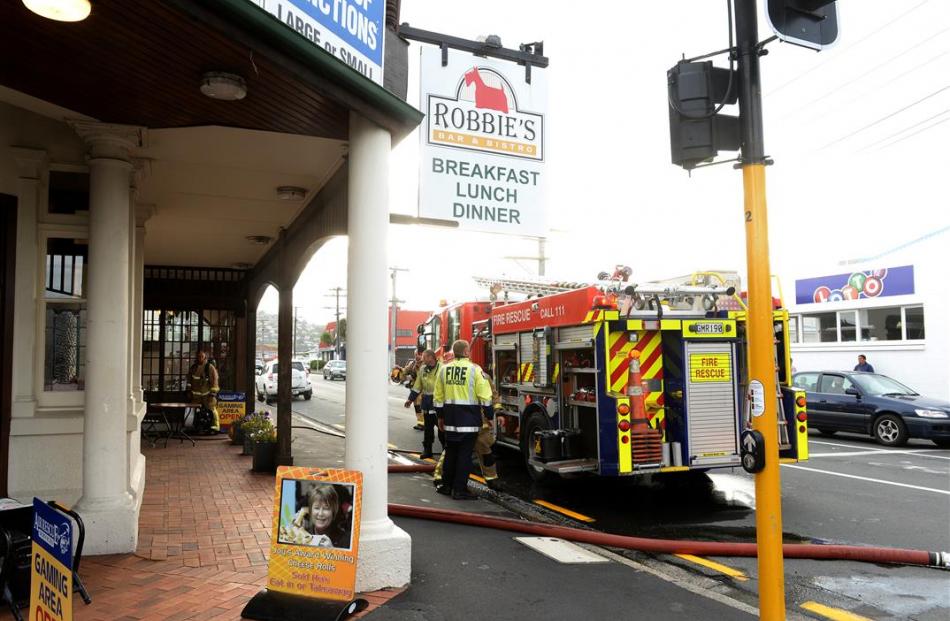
column 892, row 308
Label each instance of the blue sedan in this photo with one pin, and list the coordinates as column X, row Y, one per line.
column 875, row 405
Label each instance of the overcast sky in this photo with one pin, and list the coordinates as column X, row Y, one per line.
column 859, row 135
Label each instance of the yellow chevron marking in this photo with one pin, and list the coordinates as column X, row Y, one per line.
column 836, row 614
column 567, row 512
column 723, row 569
column 589, row 317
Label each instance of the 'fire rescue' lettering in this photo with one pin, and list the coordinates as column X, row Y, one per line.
column 711, row 367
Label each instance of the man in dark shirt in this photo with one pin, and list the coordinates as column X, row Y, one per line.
column 863, row 365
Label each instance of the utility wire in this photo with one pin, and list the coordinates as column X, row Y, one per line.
column 838, row 87
column 895, row 134
column 886, row 117
column 851, row 47
column 915, row 133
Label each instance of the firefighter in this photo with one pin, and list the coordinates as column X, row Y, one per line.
column 421, row 392
column 409, row 374
column 486, row 438
column 203, row 384
column 460, row 392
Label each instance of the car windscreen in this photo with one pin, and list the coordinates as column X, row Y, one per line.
column 881, row 385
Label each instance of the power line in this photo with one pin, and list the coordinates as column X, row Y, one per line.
column 850, row 48
column 895, row 134
column 838, row 87
column 915, row 133
column 886, row 117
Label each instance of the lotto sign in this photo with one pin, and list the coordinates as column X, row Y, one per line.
column 710, row 368
column 483, row 143
column 315, row 540
column 230, row 407
column 51, row 584
column 856, row 285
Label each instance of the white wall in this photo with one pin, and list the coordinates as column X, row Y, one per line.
column 924, row 366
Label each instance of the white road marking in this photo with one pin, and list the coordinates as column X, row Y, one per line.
column 560, row 550
column 870, row 480
column 869, row 451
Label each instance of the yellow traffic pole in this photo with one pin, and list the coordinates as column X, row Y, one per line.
column 759, row 331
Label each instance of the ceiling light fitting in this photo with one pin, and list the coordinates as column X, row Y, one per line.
column 60, row 10
column 260, row 240
column 291, row 193
column 223, row 86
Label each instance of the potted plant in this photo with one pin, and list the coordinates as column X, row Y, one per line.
column 251, row 425
column 236, row 432
column 265, row 448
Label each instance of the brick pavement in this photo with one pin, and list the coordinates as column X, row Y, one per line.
column 204, row 540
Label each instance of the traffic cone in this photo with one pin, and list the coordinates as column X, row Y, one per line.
column 645, row 442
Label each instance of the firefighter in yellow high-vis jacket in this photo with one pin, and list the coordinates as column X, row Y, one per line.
column 203, row 384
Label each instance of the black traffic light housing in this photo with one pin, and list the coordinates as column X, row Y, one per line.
column 809, row 23
column 698, row 131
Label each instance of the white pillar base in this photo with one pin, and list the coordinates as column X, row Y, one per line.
column 112, row 526
column 385, row 556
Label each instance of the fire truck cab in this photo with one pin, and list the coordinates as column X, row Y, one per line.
column 456, row 321
column 561, row 365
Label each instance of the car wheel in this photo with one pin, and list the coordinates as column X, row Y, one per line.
column 890, row 430
column 269, row 399
column 535, row 422
column 941, row 442
column 827, row 432
column 307, row 395
column 260, row 396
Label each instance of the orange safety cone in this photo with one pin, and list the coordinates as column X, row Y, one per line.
column 645, row 442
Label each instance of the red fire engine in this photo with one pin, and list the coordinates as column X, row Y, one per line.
column 561, row 363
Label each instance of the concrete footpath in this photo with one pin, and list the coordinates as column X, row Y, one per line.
column 467, row 573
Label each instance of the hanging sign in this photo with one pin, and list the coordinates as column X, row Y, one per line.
column 483, row 143
column 315, row 539
column 351, row 30
column 230, row 408
column 51, row 583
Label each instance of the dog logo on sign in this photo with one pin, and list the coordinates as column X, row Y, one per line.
column 65, row 539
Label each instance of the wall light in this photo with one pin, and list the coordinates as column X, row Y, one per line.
column 60, row 10
column 223, row 86
column 291, row 193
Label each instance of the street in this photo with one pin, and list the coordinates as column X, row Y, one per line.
column 851, row 491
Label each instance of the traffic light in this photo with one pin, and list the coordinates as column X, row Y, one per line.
column 698, row 131
column 809, row 23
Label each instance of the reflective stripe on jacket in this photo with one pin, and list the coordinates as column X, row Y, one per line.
column 461, row 390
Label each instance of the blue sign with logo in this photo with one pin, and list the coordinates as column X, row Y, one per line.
column 856, row 285
column 53, row 532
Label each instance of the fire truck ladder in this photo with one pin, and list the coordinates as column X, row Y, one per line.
column 529, row 287
column 539, row 288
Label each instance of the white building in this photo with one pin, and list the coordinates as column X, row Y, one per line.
column 892, row 307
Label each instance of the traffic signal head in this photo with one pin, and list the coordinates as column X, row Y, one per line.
column 809, row 23
column 697, row 131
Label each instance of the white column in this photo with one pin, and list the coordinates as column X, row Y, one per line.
column 142, row 214
column 385, row 549
column 107, row 507
column 31, row 164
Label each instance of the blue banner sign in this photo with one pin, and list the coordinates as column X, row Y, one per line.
column 856, row 285
column 353, row 31
column 51, row 582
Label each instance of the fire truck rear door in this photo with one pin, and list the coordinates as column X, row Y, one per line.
column 711, row 403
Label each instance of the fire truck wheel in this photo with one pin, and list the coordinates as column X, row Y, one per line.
column 536, row 421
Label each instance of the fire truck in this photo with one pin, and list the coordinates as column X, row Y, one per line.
column 452, row 322
column 560, row 360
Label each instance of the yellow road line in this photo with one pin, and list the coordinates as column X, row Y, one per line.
column 567, row 512
column 477, row 478
column 833, row 613
column 723, row 569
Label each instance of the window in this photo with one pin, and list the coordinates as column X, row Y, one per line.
column 848, row 322
column 403, row 332
column 888, row 323
column 881, row 324
column 433, row 333
column 172, row 340
column 914, row 322
column 819, row 328
column 297, row 365
column 834, row 384
column 64, row 358
column 68, row 192
column 454, row 327
column 806, row 381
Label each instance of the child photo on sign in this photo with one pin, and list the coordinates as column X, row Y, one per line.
column 316, row 514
